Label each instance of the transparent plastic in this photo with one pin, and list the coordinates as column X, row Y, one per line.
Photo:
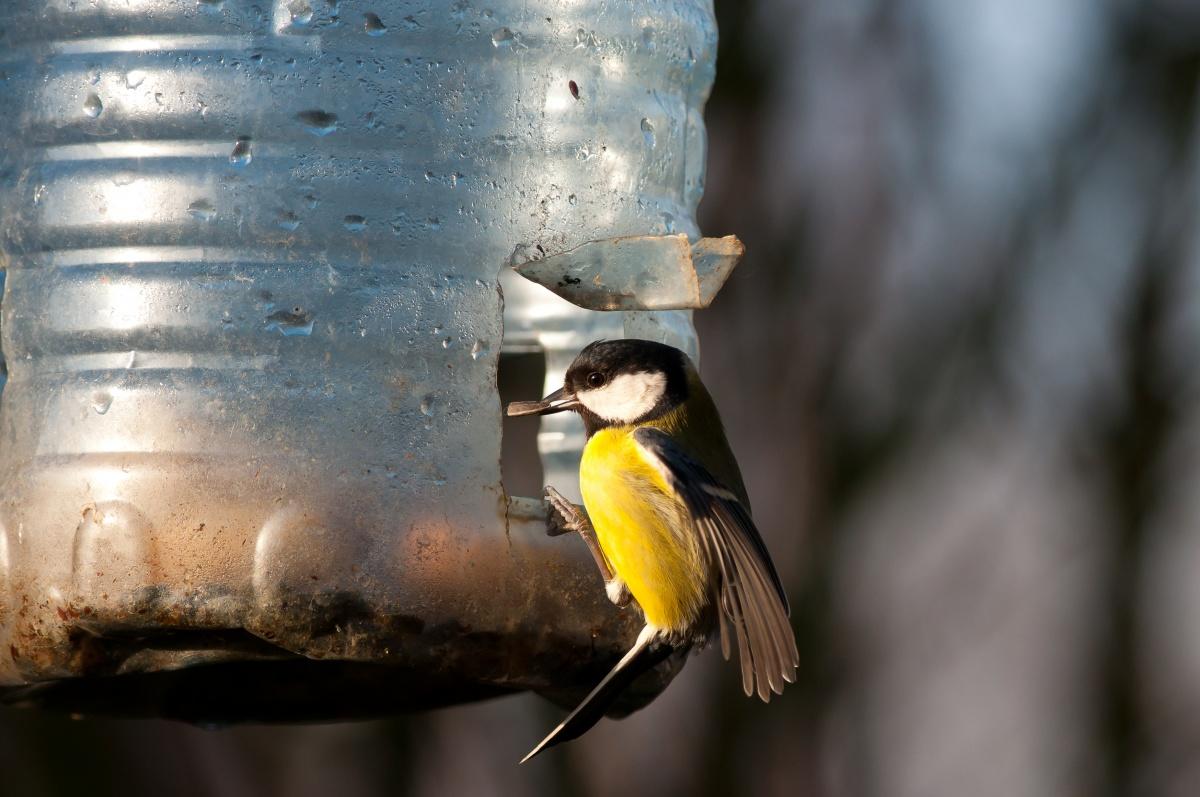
column 253, row 316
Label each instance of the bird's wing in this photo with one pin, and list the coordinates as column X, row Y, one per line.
column 752, row 597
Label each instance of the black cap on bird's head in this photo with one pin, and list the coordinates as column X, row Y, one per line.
column 617, row 382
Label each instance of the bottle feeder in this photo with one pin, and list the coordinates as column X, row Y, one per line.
column 261, row 282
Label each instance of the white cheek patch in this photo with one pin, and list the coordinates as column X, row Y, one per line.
column 627, row 397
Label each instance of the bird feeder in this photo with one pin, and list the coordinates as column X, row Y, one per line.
column 260, row 290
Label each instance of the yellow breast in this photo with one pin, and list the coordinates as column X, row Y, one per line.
column 643, row 530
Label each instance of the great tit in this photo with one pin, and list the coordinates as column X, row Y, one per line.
column 669, row 520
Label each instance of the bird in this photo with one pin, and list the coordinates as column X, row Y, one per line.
column 667, row 521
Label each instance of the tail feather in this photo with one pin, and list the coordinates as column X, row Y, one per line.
column 642, row 657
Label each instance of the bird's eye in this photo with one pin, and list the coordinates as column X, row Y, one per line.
column 595, row 379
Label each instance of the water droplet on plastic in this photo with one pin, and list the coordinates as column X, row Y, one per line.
column 523, row 253
column 446, row 342
column 202, row 209
column 354, row 223
column 94, row 77
column 211, row 6
column 503, row 38
column 290, row 323
column 311, row 201
column 317, row 122
column 134, row 78
column 92, row 106
column 301, row 12
column 648, row 132
column 101, row 401
column 428, row 406
column 373, row 25
column 433, row 223
column 584, row 39
column 573, row 199
column 648, row 39
column 241, row 155
column 288, row 221
column 479, row 349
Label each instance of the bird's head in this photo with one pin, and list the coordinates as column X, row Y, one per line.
column 617, row 383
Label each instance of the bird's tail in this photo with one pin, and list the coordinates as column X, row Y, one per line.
column 645, row 654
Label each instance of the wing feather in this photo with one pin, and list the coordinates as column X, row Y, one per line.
column 725, row 612
column 779, row 665
column 731, row 606
column 751, row 600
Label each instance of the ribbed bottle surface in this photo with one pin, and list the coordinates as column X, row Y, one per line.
column 252, row 314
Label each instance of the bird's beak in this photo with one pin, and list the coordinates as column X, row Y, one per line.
column 557, row 401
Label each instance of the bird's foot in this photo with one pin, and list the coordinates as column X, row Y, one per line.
column 565, row 517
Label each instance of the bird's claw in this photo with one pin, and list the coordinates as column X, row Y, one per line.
column 565, row 517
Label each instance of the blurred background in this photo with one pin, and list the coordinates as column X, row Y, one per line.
column 958, row 366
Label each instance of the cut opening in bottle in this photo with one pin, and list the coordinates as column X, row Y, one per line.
column 521, row 374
